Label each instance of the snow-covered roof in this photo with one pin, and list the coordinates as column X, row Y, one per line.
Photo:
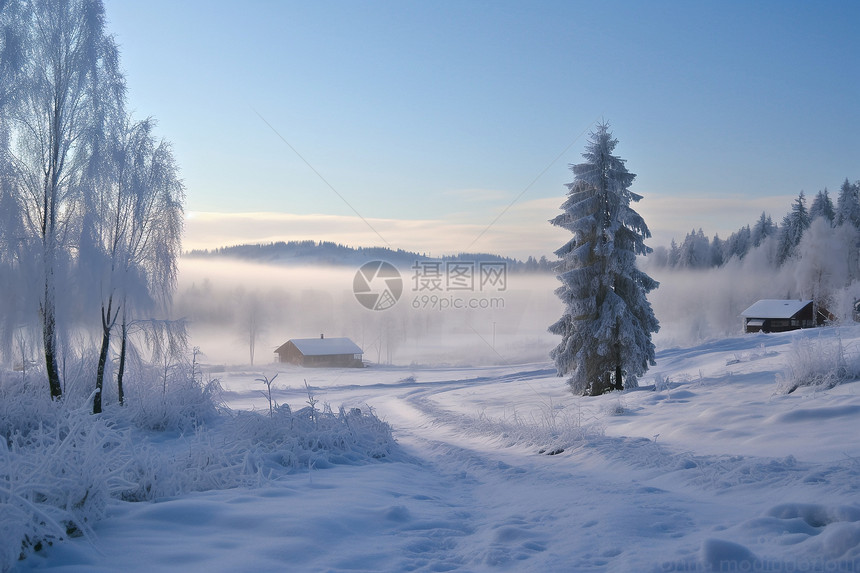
column 770, row 308
column 326, row 346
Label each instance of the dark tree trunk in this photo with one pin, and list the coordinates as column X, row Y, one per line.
column 49, row 338
column 107, row 325
column 121, row 371
column 100, row 372
column 619, row 384
column 602, row 385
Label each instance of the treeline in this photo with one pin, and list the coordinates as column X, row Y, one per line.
column 778, row 243
column 311, row 252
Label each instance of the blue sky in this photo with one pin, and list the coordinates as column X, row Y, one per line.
column 431, row 118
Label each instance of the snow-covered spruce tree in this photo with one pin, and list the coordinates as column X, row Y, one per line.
column 794, row 224
column 738, row 244
column 607, row 323
column 716, row 254
column 848, row 204
column 763, row 229
column 822, row 206
column 695, row 251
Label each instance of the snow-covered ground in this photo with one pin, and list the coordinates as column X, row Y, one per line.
column 705, row 467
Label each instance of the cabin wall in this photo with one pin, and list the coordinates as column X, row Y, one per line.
column 292, row 355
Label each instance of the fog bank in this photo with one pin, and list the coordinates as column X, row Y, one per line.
column 226, row 300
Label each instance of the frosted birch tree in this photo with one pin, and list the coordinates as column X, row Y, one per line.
column 607, row 323
column 131, row 235
column 67, row 78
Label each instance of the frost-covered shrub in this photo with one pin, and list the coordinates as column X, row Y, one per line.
column 616, row 407
column 181, row 405
column 22, row 405
column 553, row 431
column 56, row 473
column 60, row 465
column 823, row 363
column 243, row 449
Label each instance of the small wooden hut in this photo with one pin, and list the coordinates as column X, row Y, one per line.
column 321, row 352
column 770, row 315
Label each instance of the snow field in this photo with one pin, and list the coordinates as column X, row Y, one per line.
column 62, row 469
column 707, row 466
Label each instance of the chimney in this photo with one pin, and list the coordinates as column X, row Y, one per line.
column 322, row 336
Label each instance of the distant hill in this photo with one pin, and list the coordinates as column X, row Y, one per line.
column 335, row 254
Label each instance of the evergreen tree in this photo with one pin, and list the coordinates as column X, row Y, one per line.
column 848, row 204
column 763, row 229
column 716, row 251
column 674, row 254
column 738, row 244
column 822, row 206
column 695, row 251
column 793, row 226
column 607, row 323
column 544, row 264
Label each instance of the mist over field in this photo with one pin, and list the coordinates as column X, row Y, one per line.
column 222, row 299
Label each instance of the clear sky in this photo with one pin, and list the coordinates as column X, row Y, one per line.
column 432, row 118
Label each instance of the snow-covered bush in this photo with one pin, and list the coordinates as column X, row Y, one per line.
column 60, row 465
column 182, row 405
column 819, row 362
column 244, row 449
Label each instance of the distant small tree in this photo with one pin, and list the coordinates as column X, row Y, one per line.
column 544, row 264
column 674, row 254
column 794, row 224
column 822, row 206
column 738, row 244
column 607, row 322
column 253, row 321
column 848, row 204
column 763, row 229
column 716, row 251
column 695, row 251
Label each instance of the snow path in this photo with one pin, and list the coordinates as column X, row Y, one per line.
column 711, row 470
column 598, row 508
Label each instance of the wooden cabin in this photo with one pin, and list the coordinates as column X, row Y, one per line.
column 321, row 352
column 770, row 315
